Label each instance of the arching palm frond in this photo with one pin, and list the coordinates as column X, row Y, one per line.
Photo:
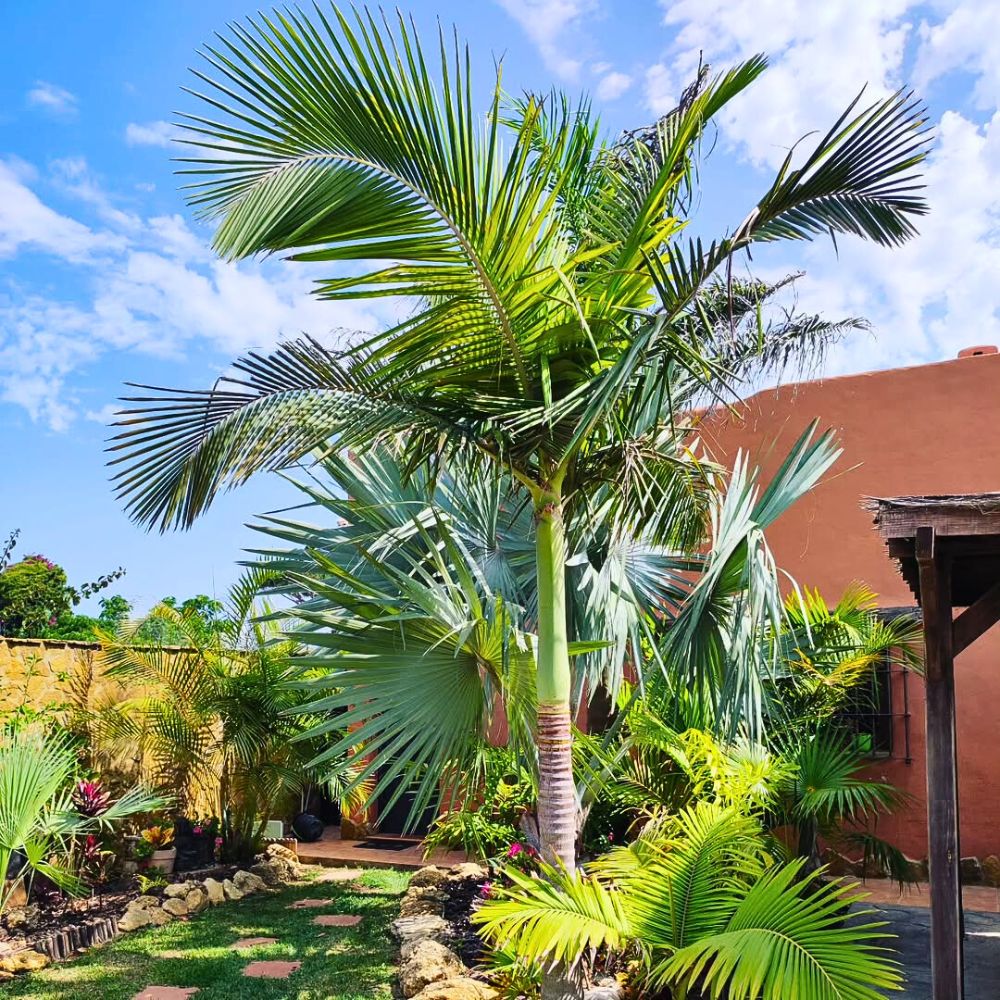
column 786, row 938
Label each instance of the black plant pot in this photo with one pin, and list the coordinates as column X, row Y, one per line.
column 307, row 828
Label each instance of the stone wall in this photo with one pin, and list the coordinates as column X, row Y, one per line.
column 44, row 673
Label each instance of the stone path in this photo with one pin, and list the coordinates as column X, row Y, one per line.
column 309, row 904
column 982, row 952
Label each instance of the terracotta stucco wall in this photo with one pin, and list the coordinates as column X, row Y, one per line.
column 922, row 430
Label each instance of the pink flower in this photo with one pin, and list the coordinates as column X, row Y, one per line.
column 531, row 852
column 198, row 831
column 515, row 850
column 485, row 889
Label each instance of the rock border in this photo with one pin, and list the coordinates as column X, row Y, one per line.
column 275, row 868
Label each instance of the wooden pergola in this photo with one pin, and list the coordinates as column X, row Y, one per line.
column 948, row 549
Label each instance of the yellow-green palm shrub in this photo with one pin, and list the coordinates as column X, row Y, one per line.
column 708, row 909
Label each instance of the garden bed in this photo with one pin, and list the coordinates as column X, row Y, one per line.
column 58, row 928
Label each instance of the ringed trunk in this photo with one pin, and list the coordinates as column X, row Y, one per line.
column 557, row 809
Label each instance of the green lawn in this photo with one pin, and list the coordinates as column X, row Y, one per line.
column 338, row 963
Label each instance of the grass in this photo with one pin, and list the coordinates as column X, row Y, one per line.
column 338, row 963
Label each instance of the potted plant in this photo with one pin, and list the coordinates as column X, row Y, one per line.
column 161, row 851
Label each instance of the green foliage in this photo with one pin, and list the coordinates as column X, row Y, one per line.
column 215, row 722
column 38, row 816
column 34, row 593
column 486, row 799
column 150, row 883
column 707, row 909
column 37, row 601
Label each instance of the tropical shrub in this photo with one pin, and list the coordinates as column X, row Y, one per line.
column 44, row 816
column 708, row 911
column 484, row 805
column 214, row 717
column 37, row 601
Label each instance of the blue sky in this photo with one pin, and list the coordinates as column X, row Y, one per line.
column 106, row 277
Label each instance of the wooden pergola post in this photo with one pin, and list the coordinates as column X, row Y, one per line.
column 947, row 960
column 948, row 550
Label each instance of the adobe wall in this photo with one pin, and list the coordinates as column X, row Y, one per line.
column 922, row 430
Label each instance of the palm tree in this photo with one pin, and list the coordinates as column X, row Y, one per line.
column 552, row 289
column 211, row 719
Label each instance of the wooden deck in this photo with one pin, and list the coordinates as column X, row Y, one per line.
column 405, row 852
column 882, row 892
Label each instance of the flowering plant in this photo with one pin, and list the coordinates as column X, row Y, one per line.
column 90, row 798
column 521, row 856
column 158, row 837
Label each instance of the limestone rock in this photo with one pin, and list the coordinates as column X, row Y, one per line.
column 991, row 870
column 248, row 883
column 215, row 891
column 22, row 918
column 429, row 876
column 458, row 988
column 422, row 900
column 134, row 919
column 139, row 913
column 197, row 900
column 277, row 866
column 427, row 962
column 160, row 917
column 230, row 890
column 468, row 870
column 407, row 929
column 23, row 961
column 178, row 890
column 176, row 907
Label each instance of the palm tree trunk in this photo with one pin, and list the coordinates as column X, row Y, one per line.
column 557, row 806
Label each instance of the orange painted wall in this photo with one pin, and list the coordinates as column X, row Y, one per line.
column 928, row 429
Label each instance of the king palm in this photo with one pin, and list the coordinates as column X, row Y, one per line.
column 550, row 290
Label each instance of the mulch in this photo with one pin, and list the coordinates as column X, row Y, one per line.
column 58, row 913
column 462, row 895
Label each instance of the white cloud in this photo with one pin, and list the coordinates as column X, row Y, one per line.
column 968, row 41
column 939, row 292
column 612, row 85
column 25, row 221
column 73, row 176
column 550, row 25
column 821, row 55
column 52, row 99
column 155, row 290
column 151, row 134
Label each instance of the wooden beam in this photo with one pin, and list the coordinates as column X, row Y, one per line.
column 905, row 522
column 947, row 961
column 975, row 620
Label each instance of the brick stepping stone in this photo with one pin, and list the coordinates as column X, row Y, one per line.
column 337, row 920
column 252, row 942
column 271, row 970
column 309, row 904
column 166, row 993
column 339, row 875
